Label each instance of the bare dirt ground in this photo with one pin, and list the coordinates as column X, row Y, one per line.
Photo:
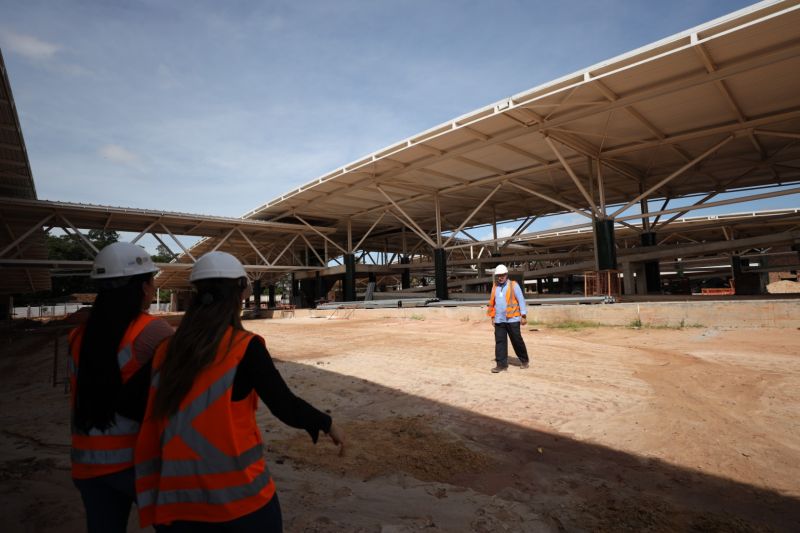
column 611, row 429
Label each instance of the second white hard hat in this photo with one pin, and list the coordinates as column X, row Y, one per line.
column 217, row 265
column 121, row 260
column 500, row 269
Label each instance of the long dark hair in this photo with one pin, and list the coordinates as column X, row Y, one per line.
column 99, row 377
column 216, row 306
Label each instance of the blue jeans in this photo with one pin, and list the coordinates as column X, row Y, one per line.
column 502, row 332
column 268, row 519
column 107, row 500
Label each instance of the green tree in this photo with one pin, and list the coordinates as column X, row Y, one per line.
column 162, row 255
column 69, row 248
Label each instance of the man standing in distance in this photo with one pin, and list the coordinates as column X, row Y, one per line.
column 507, row 310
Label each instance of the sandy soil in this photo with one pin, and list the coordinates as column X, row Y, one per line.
column 611, row 429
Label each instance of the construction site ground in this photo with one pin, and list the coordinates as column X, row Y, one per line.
column 612, row 428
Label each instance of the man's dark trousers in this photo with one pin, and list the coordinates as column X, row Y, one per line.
column 502, row 332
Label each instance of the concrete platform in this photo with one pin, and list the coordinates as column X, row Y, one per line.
column 750, row 313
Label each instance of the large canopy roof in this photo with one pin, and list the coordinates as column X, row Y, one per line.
column 16, row 181
column 715, row 108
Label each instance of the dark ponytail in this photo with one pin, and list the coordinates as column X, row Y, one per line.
column 99, row 378
column 216, row 305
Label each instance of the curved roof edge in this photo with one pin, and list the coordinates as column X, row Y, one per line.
column 707, row 31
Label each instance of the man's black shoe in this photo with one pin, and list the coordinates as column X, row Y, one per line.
column 498, row 369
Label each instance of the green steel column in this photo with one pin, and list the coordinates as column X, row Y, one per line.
column 652, row 272
column 271, row 290
column 440, row 268
column 606, row 251
column 349, row 285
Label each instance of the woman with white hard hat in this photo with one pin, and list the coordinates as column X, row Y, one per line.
column 110, row 372
column 200, row 458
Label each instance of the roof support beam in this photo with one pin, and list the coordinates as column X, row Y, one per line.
column 572, row 175
column 678, row 215
column 145, row 231
column 173, row 254
column 275, row 261
column 80, row 235
column 522, row 227
column 551, row 199
column 370, row 230
column 711, row 66
column 787, row 134
column 474, row 211
column 321, row 261
column 425, row 239
column 675, row 174
column 315, row 230
column 225, row 238
column 762, row 196
column 179, row 243
column 410, row 220
column 602, row 190
column 37, row 226
column 253, row 246
column 77, row 239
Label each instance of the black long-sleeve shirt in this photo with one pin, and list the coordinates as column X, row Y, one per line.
column 256, row 371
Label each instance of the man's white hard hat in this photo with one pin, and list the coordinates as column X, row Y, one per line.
column 122, row 260
column 217, row 265
column 500, row 269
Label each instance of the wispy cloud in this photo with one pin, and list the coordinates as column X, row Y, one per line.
column 28, row 46
column 118, row 154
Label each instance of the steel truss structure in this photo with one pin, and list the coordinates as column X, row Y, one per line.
column 713, row 110
column 263, row 246
column 632, row 145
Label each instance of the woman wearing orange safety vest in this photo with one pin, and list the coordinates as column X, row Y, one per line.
column 110, row 372
column 200, row 462
column 507, row 310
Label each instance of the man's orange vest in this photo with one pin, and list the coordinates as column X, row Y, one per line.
column 104, row 452
column 512, row 305
column 205, row 462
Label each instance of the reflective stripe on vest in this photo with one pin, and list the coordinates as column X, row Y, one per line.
column 512, row 305
column 210, row 496
column 200, row 480
column 101, row 452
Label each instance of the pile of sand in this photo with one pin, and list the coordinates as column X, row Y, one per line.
column 783, row 287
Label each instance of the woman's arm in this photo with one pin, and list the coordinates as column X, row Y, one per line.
column 257, row 371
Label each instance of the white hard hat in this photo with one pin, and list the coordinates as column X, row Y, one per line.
column 500, row 269
column 122, row 260
column 217, row 265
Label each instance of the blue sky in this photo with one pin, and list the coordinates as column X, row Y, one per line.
column 217, row 107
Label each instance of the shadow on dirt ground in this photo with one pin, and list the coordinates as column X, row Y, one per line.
column 572, row 485
column 412, row 462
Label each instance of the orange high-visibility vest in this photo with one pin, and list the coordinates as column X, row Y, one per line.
column 512, row 305
column 98, row 453
column 205, row 462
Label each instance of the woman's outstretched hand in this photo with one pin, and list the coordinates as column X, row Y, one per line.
column 337, row 437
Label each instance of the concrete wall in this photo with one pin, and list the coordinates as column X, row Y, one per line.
column 734, row 314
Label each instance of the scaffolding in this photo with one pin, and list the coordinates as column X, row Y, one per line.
column 601, row 283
